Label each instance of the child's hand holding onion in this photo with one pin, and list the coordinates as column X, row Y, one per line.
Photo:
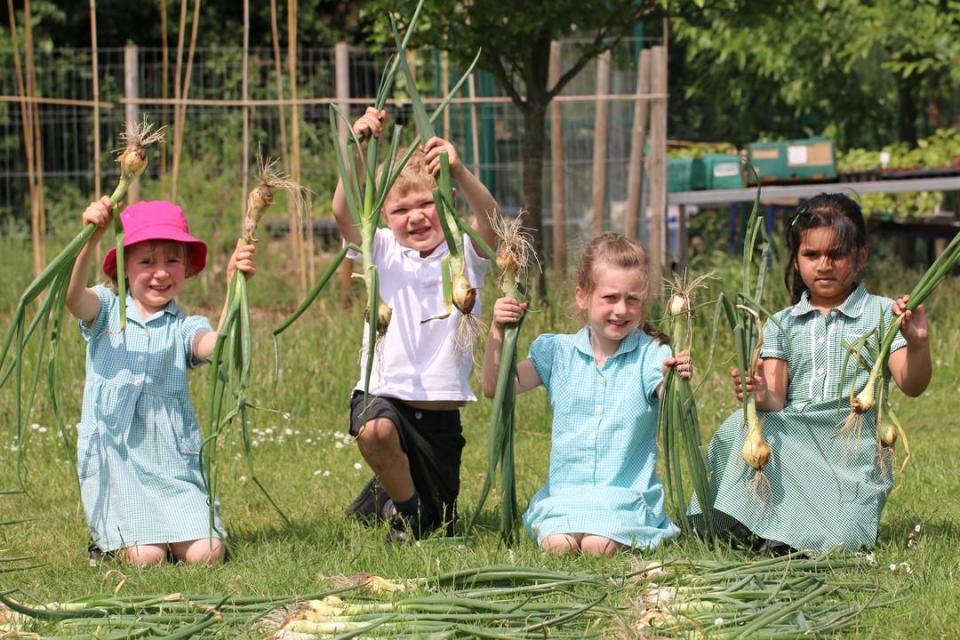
column 99, row 214
column 242, row 259
column 913, row 324
column 681, row 363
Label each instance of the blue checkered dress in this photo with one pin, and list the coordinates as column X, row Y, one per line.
column 826, row 490
column 138, row 446
column 602, row 476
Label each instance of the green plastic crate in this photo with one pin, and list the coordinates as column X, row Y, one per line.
column 679, row 174
column 717, row 171
column 794, row 161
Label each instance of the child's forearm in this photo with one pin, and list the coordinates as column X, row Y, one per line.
column 81, row 301
column 916, row 369
column 491, row 360
column 481, row 202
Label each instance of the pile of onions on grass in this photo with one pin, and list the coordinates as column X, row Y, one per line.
column 458, row 292
column 678, row 424
column 744, row 315
column 230, row 365
column 515, row 254
column 55, row 279
column 365, row 190
column 875, row 393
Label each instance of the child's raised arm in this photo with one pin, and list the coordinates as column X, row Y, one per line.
column 242, row 259
column 910, row 368
column 370, row 124
column 81, row 301
column 505, row 311
column 481, row 202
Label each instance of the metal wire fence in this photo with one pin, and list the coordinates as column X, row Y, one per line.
column 486, row 130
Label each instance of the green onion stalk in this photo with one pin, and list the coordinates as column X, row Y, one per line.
column 875, row 392
column 744, row 315
column 55, row 279
column 678, row 424
column 514, row 255
column 458, row 292
column 230, row 368
column 365, row 198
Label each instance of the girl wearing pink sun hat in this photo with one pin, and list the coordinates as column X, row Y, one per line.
column 138, row 442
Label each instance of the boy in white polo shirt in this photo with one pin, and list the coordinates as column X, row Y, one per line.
column 412, row 438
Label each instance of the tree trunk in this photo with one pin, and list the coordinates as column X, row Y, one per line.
column 534, row 116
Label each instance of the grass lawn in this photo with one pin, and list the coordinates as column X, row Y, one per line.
column 313, row 470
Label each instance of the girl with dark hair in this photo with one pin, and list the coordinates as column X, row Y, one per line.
column 825, row 489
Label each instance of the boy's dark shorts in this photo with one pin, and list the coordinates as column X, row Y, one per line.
column 433, row 442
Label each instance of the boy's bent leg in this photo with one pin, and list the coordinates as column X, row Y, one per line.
column 563, row 543
column 379, row 444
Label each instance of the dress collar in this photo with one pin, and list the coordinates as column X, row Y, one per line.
column 582, row 342
column 852, row 307
column 133, row 311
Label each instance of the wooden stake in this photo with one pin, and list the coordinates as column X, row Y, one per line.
column 131, row 88
column 635, row 172
column 181, row 114
column 557, row 158
column 306, row 229
column 245, row 89
column 163, row 116
column 293, row 214
column 342, row 65
column 600, row 128
column 37, row 216
column 658, row 172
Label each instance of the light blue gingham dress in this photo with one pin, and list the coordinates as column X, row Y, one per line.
column 602, row 473
column 826, row 490
column 138, row 445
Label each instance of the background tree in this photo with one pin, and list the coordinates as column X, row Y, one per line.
column 515, row 36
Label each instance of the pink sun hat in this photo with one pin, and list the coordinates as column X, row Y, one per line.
column 157, row 220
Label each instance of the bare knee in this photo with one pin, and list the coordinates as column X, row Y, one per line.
column 378, row 434
column 144, row 555
column 560, row 543
column 202, row 551
column 599, row 546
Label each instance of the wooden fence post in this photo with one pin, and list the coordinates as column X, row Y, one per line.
column 131, row 110
column 557, row 158
column 641, row 109
column 600, row 127
column 658, row 170
column 341, row 54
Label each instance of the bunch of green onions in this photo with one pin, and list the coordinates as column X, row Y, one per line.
column 458, row 292
column 514, row 255
column 55, row 279
column 875, row 391
column 678, row 424
column 790, row 596
column 365, row 198
column 230, row 365
column 743, row 315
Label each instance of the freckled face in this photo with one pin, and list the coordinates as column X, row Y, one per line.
column 156, row 272
column 413, row 219
column 615, row 307
column 827, row 272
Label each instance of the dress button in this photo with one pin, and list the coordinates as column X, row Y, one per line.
column 602, row 380
column 137, row 383
column 139, row 358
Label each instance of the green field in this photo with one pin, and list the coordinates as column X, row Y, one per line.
column 313, row 470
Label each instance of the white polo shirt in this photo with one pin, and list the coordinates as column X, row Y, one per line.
column 419, row 361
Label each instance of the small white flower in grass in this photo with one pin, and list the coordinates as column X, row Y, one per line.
column 338, row 445
column 288, row 431
column 243, row 478
column 268, row 430
column 286, row 415
column 916, row 528
column 254, row 443
column 718, row 622
column 35, row 426
column 42, row 430
column 357, row 466
column 893, row 567
column 326, row 473
column 318, row 472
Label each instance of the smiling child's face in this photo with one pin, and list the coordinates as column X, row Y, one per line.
column 615, row 307
column 413, row 219
column 156, row 271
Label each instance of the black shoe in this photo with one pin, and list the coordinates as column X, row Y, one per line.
column 407, row 527
column 775, row 548
column 369, row 507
